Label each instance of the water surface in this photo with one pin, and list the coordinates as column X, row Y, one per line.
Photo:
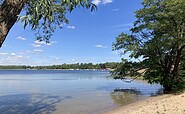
column 66, row 92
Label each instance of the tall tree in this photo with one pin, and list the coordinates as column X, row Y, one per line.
column 42, row 15
column 158, row 38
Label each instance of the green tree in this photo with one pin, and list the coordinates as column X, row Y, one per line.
column 158, row 39
column 43, row 16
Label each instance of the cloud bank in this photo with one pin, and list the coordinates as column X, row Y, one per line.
column 97, row 2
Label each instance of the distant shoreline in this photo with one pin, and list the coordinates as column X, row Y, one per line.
column 162, row 104
column 63, row 69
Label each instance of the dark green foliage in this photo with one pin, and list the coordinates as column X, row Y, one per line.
column 15, row 67
column 158, row 39
column 79, row 66
column 109, row 65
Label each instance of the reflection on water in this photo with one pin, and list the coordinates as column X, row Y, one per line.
column 66, row 92
column 29, row 104
column 125, row 96
column 158, row 92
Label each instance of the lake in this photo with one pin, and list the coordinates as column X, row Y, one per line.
column 67, row 92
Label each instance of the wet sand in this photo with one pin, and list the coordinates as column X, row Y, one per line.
column 163, row 104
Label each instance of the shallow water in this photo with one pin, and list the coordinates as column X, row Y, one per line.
column 66, row 92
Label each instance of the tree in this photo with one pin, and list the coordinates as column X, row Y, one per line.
column 43, row 16
column 158, row 39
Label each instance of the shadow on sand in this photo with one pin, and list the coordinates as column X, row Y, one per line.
column 29, row 104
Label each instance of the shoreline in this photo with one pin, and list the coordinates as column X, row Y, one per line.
column 62, row 69
column 162, row 104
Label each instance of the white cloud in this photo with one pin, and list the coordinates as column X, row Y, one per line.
column 19, row 56
column 37, row 50
column 37, row 43
column 3, row 53
column 28, row 57
column 21, row 38
column 14, row 59
column 106, row 1
column 101, row 46
column 51, row 43
column 97, row 2
column 71, row 27
column 13, row 54
column 47, row 60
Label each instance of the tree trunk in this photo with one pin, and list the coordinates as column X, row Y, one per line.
column 9, row 11
column 177, row 62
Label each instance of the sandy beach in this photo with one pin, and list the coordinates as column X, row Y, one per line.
column 163, row 104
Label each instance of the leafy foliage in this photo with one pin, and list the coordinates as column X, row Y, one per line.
column 158, row 37
column 45, row 15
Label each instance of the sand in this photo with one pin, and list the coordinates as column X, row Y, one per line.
column 163, row 104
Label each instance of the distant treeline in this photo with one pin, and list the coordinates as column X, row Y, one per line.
column 107, row 65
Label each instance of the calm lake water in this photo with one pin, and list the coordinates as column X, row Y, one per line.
column 67, row 92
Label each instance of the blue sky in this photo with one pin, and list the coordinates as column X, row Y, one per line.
column 87, row 38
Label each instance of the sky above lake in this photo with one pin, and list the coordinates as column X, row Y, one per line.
column 87, row 38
